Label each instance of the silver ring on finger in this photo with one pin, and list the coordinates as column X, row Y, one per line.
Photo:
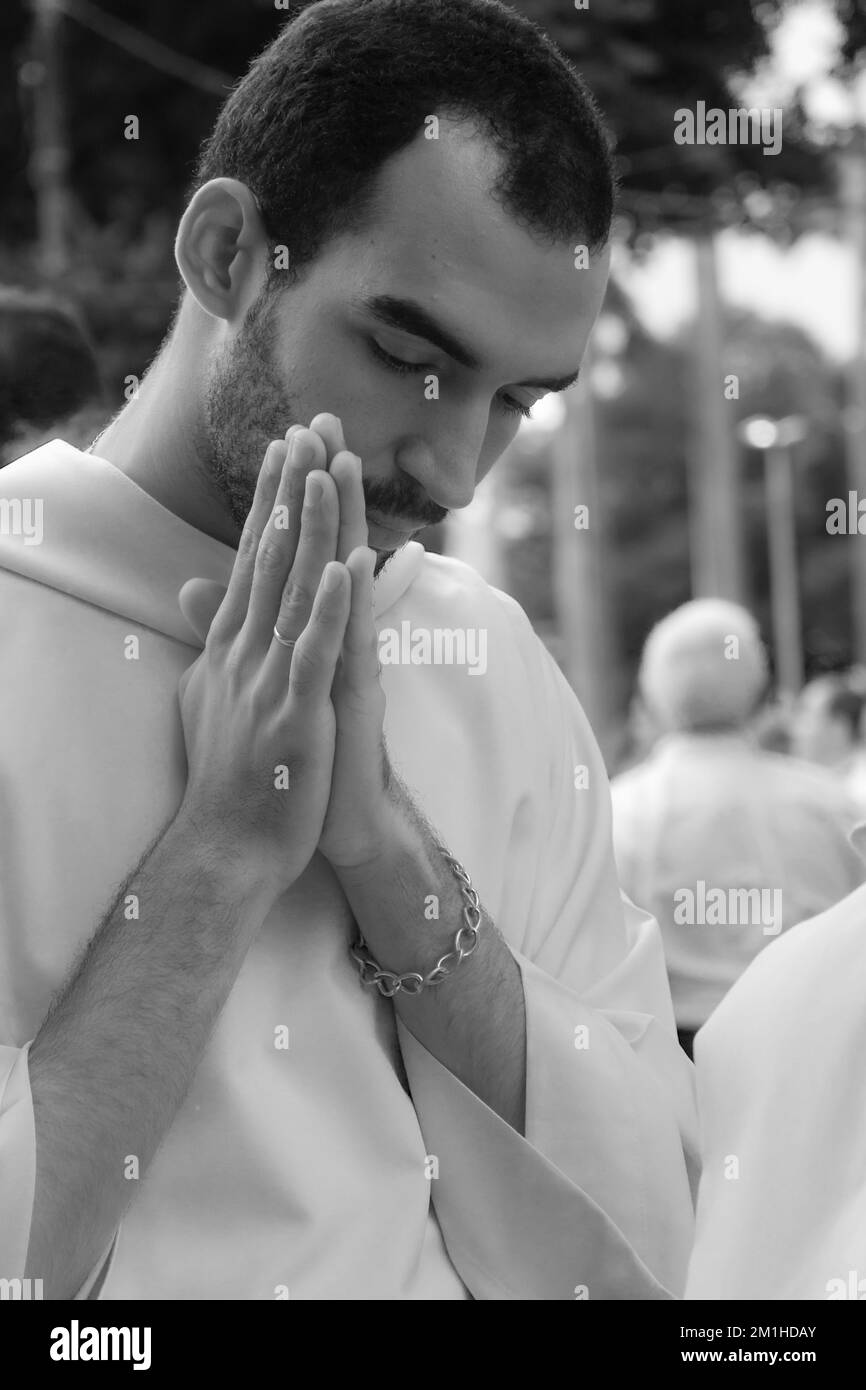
column 285, row 641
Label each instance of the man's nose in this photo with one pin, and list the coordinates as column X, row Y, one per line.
column 445, row 465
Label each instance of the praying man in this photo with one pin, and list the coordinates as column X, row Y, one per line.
column 315, row 977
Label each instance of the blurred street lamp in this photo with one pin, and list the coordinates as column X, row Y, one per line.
column 774, row 439
column 713, row 464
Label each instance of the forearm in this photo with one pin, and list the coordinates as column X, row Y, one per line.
column 474, row 1022
column 115, row 1056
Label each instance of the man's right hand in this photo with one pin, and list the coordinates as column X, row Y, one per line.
column 257, row 716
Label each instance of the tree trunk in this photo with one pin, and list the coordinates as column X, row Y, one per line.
column 49, row 160
column 852, row 163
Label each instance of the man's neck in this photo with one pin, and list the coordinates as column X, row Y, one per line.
column 153, row 441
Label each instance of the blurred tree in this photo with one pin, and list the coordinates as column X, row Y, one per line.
column 168, row 65
column 646, row 60
column 643, row 499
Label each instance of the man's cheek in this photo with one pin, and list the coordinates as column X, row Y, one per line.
column 373, row 421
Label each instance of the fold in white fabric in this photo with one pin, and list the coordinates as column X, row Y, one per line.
column 782, row 1204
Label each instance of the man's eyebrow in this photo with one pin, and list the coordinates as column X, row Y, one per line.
column 411, row 317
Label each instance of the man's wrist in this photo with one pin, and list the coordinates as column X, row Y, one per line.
column 391, row 836
column 235, row 874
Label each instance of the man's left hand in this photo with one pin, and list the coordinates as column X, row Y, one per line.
column 356, row 824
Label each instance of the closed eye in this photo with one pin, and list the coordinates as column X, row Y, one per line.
column 403, row 368
column 396, row 364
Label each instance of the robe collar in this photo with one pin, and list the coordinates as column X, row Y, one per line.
column 109, row 543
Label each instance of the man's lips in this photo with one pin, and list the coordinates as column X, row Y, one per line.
column 393, row 527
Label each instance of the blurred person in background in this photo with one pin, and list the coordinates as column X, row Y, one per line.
column 771, row 726
column 49, row 377
column 639, row 735
column 710, row 814
column 827, row 730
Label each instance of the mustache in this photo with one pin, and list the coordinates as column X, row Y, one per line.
column 399, row 498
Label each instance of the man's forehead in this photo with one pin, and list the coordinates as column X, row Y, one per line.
column 434, row 207
column 437, row 236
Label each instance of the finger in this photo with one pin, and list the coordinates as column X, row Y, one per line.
column 233, row 610
column 346, row 472
column 199, row 601
column 320, row 522
column 360, row 659
column 330, row 429
column 317, row 443
column 279, row 542
column 305, row 455
column 317, row 651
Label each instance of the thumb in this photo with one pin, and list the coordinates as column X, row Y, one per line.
column 199, row 600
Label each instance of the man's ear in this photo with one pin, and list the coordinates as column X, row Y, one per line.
column 221, row 248
column 199, row 600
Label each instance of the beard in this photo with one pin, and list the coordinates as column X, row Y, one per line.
column 246, row 405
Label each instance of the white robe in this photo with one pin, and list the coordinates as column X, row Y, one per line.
column 304, row 1169
column 782, row 1203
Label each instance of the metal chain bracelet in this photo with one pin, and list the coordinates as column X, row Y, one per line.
column 465, row 942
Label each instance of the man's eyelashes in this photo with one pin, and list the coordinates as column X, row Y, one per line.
column 403, row 368
column 396, row 363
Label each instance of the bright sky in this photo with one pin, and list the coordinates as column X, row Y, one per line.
column 812, row 283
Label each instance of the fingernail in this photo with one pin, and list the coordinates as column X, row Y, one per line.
column 333, row 577
column 312, row 491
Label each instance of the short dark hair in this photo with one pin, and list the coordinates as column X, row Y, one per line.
column 348, row 83
column 48, row 370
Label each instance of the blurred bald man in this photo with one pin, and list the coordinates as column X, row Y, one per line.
column 727, row 844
